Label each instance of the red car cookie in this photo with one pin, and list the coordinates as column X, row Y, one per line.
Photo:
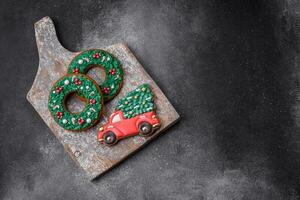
column 119, row 127
column 135, row 114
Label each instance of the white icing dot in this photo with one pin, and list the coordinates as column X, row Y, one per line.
column 80, row 61
column 87, row 87
column 88, row 120
column 67, row 82
column 73, row 120
column 81, row 88
column 108, row 58
column 88, row 113
column 53, row 92
column 64, row 121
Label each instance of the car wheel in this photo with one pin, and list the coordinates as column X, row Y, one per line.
column 145, row 129
column 109, row 138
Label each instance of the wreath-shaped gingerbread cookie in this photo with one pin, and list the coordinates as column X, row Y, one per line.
column 86, row 60
column 84, row 87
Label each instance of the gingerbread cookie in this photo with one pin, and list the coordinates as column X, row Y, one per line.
column 86, row 60
column 84, row 87
column 134, row 114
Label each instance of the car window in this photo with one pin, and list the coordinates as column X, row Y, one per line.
column 116, row 118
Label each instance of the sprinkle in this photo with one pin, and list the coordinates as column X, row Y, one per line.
column 86, row 59
column 55, row 107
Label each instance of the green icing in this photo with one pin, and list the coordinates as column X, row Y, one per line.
column 136, row 102
column 113, row 70
column 85, row 88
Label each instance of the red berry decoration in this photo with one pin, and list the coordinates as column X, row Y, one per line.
column 75, row 71
column 96, row 55
column 58, row 89
column 106, row 90
column 77, row 81
column 80, row 121
column 112, row 71
column 59, row 115
column 92, row 101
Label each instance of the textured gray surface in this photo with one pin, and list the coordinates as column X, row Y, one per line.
column 238, row 62
column 83, row 147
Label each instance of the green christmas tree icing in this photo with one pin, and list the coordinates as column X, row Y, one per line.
column 136, row 102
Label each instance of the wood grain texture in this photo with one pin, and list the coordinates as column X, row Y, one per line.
column 83, row 147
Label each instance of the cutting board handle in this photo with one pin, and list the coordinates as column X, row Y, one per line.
column 46, row 38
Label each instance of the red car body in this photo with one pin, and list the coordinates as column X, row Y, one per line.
column 123, row 127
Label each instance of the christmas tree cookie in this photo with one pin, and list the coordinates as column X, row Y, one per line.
column 136, row 102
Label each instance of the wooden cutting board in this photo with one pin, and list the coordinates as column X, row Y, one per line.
column 83, row 147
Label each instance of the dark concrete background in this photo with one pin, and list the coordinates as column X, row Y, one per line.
column 230, row 69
